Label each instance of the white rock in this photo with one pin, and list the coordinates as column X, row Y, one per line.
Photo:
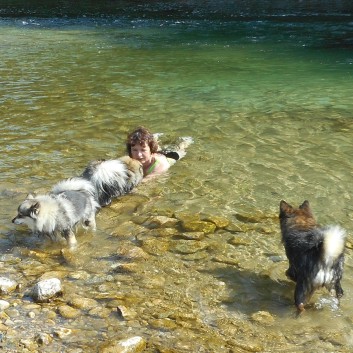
column 4, row 305
column 7, row 285
column 46, row 289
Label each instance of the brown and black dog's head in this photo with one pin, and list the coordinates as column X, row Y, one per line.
column 300, row 218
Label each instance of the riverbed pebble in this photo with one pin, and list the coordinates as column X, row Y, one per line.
column 46, row 289
column 134, row 344
column 7, row 285
column 199, row 226
column 4, row 305
column 68, row 312
column 83, row 303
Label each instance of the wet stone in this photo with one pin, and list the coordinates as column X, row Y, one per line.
column 249, row 218
column 226, row 260
column 4, row 305
column 46, row 289
column 83, row 303
column 125, row 267
column 187, row 217
column 163, row 232
column 237, row 228
column 132, row 253
column 162, row 324
column 62, row 332
column 126, row 313
column 12, row 313
column 43, row 339
column 220, row 222
column 99, row 312
column 199, row 226
column 29, row 344
column 161, row 222
column 200, row 255
column 130, row 345
column 263, row 318
column 68, row 312
column 188, row 246
column 128, row 229
column 155, row 246
column 7, row 285
column 192, row 235
column 237, row 240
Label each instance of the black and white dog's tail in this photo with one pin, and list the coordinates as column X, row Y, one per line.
column 69, row 189
column 74, row 184
column 109, row 178
column 333, row 244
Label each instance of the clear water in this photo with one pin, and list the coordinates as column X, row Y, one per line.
column 268, row 102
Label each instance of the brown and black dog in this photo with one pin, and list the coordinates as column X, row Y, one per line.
column 315, row 254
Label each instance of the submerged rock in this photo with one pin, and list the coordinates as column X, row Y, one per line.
column 161, row 222
column 220, row 222
column 4, row 305
column 199, row 226
column 155, row 246
column 236, row 241
column 263, row 318
column 130, row 345
column 192, row 235
column 83, row 303
column 46, row 289
column 189, row 246
column 128, row 229
column 69, row 312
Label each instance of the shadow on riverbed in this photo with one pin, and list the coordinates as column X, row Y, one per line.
column 250, row 292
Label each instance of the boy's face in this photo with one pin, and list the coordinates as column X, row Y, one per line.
column 142, row 153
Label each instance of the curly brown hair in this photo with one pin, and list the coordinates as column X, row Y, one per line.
column 141, row 136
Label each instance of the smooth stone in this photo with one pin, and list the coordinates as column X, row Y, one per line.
column 83, row 303
column 46, row 289
column 7, row 285
column 68, row 312
column 161, row 221
column 130, row 345
column 199, row 226
column 220, row 222
column 4, row 305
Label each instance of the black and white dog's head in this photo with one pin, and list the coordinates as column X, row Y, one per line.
column 27, row 212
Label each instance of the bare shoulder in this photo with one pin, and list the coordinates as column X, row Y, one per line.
column 162, row 164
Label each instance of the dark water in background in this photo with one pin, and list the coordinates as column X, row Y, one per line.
column 264, row 88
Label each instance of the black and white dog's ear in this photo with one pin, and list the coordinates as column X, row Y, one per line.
column 30, row 197
column 35, row 208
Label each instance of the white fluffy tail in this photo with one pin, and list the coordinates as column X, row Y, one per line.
column 74, row 184
column 334, row 243
column 110, row 172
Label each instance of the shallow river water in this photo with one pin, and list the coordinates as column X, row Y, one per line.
column 268, row 102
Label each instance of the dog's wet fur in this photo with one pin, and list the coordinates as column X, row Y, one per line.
column 315, row 253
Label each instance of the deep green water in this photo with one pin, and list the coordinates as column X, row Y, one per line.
column 268, row 101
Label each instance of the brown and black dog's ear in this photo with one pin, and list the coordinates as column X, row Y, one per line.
column 284, row 207
column 305, row 206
